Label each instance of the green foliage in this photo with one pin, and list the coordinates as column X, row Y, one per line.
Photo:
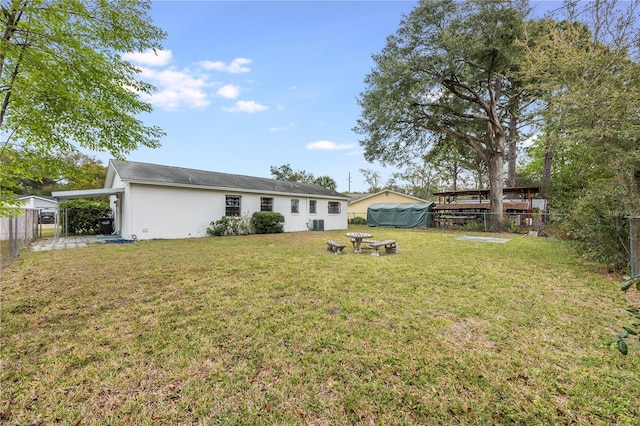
column 80, row 172
column 443, row 75
column 285, row 172
column 358, row 220
column 230, row 225
column 590, row 145
column 633, row 329
column 268, row 222
column 511, row 226
column 598, row 221
column 65, row 86
column 473, row 227
column 325, row 182
column 82, row 215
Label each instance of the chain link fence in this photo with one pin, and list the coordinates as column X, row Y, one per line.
column 16, row 233
column 477, row 221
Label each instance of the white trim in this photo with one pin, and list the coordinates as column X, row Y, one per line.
column 84, row 193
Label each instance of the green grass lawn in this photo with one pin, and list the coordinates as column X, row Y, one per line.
column 273, row 329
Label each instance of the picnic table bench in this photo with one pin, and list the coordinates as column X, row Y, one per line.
column 335, row 247
column 390, row 246
column 354, row 241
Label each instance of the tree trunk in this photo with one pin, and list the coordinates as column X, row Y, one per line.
column 548, row 164
column 495, row 164
column 495, row 142
column 512, row 154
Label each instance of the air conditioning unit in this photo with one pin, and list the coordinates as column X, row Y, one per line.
column 318, row 224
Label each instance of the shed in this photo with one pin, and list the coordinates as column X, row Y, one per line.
column 401, row 215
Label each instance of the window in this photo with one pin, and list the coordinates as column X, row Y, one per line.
column 334, row 207
column 233, row 205
column 313, row 206
column 295, row 205
column 266, row 204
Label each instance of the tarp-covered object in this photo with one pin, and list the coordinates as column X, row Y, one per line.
column 401, row 215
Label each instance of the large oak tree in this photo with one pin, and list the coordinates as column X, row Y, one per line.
column 444, row 75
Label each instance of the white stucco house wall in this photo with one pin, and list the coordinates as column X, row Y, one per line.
column 152, row 201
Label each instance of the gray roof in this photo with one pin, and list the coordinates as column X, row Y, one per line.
column 177, row 176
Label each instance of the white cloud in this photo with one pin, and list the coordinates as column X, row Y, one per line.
column 188, row 88
column 229, row 91
column 150, row 57
column 235, row 67
column 247, row 106
column 176, row 89
column 327, row 145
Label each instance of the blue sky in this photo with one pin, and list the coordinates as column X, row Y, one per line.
column 246, row 85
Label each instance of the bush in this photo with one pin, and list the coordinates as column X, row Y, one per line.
column 230, row 225
column 268, row 222
column 510, row 225
column 473, row 227
column 598, row 221
column 82, row 215
column 358, row 220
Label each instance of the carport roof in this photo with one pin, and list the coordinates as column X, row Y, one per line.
column 86, row 193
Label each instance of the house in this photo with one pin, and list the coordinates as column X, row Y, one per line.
column 44, row 204
column 152, row 201
column 39, row 202
column 360, row 203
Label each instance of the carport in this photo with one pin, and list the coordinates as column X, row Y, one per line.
column 115, row 200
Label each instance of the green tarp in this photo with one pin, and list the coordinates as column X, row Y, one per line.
column 401, row 215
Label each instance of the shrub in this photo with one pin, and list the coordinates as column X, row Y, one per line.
column 510, row 225
column 358, row 220
column 268, row 222
column 82, row 215
column 598, row 220
column 230, row 225
column 473, row 227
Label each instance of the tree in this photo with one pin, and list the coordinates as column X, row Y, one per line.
column 372, row 178
column 422, row 180
column 455, row 160
column 444, row 74
column 326, row 182
column 590, row 150
column 285, row 172
column 82, row 172
column 64, row 85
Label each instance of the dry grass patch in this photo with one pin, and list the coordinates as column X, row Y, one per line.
column 272, row 329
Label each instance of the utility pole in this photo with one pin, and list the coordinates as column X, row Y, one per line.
column 349, row 182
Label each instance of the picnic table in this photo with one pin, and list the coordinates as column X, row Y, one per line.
column 357, row 238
